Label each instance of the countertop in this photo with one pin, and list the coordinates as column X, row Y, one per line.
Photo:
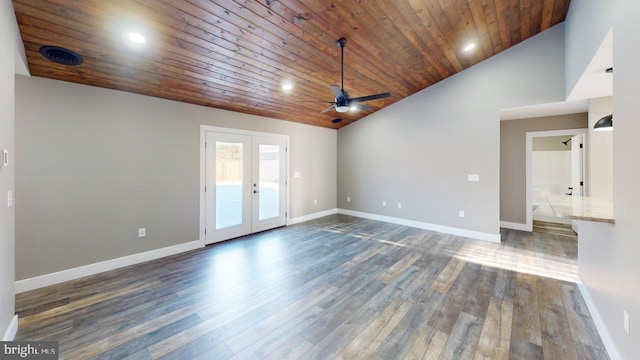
column 581, row 208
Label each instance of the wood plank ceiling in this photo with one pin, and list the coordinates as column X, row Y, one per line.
column 236, row 55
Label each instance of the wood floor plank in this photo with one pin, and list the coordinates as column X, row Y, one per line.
column 448, row 275
column 481, row 293
column 399, row 341
column 341, row 312
column 335, row 287
column 422, row 342
column 448, row 313
column 274, row 321
column 292, row 349
column 366, row 343
column 207, row 342
column 526, row 322
column 505, row 287
column 270, row 342
column 580, row 320
column 331, row 344
column 557, row 340
column 435, row 346
column 496, row 332
column 398, row 268
column 463, row 340
column 523, row 349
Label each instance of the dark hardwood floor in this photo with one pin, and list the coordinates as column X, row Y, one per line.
column 334, row 288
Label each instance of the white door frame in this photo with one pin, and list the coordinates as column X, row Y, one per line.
column 203, row 157
column 529, row 166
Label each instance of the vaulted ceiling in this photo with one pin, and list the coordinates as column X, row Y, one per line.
column 237, row 55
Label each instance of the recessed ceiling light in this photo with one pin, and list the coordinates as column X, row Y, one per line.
column 137, row 38
column 287, row 87
column 470, row 47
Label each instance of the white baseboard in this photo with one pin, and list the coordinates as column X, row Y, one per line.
column 597, row 319
column 301, row 219
column 12, row 330
column 515, row 226
column 91, row 269
column 427, row 226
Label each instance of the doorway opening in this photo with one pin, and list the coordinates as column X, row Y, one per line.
column 555, row 165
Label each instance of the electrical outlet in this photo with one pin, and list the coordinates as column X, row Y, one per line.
column 142, row 232
column 5, row 157
column 348, row 198
column 626, row 322
column 315, row 201
column 384, row 203
column 461, row 213
column 399, row 205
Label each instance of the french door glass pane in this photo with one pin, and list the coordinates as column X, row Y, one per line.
column 228, row 184
column 269, row 176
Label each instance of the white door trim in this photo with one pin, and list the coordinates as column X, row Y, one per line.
column 203, row 132
column 529, row 166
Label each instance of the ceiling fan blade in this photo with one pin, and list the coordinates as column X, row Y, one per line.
column 371, row 97
column 337, row 92
column 316, row 101
column 327, row 109
column 362, row 107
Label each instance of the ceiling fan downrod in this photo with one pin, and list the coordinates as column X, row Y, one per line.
column 342, row 42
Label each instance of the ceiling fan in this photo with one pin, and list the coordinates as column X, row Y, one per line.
column 343, row 102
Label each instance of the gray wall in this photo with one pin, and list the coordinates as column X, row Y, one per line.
column 96, row 164
column 549, row 143
column 612, row 280
column 513, row 171
column 420, row 150
column 586, row 26
column 624, row 291
column 7, row 59
column 600, row 151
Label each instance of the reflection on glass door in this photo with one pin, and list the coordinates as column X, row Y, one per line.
column 245, row 187
column 269, row 181
column 269, row 172
column 228, row 184
column 228, row 174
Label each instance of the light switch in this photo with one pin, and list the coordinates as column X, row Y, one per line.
column 296, row 174
column 5, row 157
column 473, row 177
column 10, row 198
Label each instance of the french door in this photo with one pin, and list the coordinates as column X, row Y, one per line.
column 245, row 184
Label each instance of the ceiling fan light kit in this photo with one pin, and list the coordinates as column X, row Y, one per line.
column 342, row 102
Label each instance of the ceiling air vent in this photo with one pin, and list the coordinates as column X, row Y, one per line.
column 61, row 55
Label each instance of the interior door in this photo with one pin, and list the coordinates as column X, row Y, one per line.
column 577, row 165
column 245, row 184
